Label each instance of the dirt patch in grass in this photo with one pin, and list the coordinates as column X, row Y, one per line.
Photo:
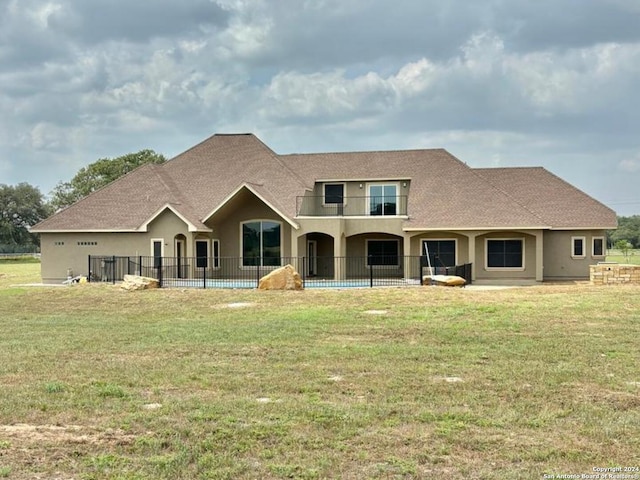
column 239, row 305
column 58, row 451
column 22, row 433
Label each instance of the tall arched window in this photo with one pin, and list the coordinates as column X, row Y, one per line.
column 261, row 243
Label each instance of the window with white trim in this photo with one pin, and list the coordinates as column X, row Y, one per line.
column 598, row 247
column 261, row 243
column 578, row 247
column 383, row 199
column 216, row 253
column 505, row 253
column 333, row 194
column 383, row 253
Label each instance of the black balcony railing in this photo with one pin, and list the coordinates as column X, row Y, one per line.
column 232, row 272
column 316, row 206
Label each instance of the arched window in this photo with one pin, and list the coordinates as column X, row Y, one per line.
column 261, row 243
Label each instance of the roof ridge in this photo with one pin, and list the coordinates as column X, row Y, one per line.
column 180, row 202
column 97, row 190
column 496, row 187
column 192, row 148
column 510, row 168
column 560, row 179
column 364, row 151
column 168, row 184
column 277, row 158
column 576, row 189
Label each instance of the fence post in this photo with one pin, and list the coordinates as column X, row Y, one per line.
column 258, row 272
column 304, row 271
column 113, row 269
column 160, row 271
column 370, row 258
column 89, row 270
column 204, row 277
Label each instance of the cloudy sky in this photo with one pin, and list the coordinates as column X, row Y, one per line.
column 553, row 83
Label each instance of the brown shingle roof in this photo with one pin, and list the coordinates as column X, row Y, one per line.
column 559, row 203
column 193, row 183
column 444, row 192
column 123, row 205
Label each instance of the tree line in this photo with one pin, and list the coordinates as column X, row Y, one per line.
column 628, row 231
column 23, row 205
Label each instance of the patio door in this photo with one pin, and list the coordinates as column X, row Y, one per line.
column 312, row 258
column 180, row 256
column 442, row 253
column 157, row 251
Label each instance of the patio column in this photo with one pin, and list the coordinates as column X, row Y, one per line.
column 472, row 254
column 407, row 264
column 294, row 243
column 339, row 252
column 539, row 256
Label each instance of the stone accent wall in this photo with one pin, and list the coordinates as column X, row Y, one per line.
column 614, row 273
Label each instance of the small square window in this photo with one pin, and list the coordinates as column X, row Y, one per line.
column 578, row 247
column 598, row 249
column 334, row 193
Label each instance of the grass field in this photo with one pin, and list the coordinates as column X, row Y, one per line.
column 632, row 257
column 97, row 383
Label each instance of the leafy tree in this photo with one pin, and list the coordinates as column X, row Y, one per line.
column 624, row 248
column 628, row 230
column 21, row 207
column 98, row 174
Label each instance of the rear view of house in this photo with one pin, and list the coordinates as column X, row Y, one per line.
column 231, row 205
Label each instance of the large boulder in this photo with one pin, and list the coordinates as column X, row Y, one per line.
column 283, row 278
column 135, row 282
column 444, row 280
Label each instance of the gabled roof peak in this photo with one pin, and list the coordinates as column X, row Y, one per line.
column 233, row 134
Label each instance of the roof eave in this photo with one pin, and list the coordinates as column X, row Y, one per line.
column 89, row 230
column 584, row 228
column 191, row 227
column 253, row 191
column 469, row 229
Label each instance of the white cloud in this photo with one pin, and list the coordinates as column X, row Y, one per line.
column 630, row 165
column 42, row 14
column 497, row 83
column 46, row 136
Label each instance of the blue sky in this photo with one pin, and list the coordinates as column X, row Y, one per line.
column 495, row 82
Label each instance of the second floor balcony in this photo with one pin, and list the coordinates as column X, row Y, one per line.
column 317, row 206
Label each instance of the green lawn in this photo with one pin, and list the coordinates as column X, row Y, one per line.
column 632, row 257
column 98, row 383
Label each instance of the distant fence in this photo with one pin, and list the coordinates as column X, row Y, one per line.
column 10, row 248
column 18, row 255
column 236, row 272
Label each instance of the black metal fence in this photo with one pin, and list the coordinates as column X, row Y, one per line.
column 236, row 272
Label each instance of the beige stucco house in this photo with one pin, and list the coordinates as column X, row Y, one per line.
column 231, row 196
